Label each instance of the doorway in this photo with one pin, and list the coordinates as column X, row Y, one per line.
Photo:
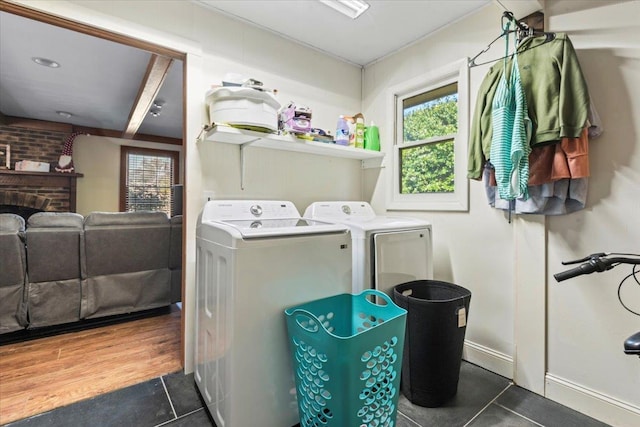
column 135, row 129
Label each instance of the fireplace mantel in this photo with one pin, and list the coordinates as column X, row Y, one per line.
column 42, row 179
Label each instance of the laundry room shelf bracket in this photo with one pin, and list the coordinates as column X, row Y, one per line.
column 372, row 163
column 242, row 147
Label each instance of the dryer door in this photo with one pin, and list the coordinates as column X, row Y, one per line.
column 401, row 256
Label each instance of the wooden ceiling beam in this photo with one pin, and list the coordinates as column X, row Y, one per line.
column 116, row 134
column 42, row 125
column 157, row 71
column 34, row 124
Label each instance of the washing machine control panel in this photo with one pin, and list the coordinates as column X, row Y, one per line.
column 256, row 210
column 222, row 210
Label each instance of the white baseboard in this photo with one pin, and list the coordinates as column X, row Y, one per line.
column 592, row 403
column 489, row 359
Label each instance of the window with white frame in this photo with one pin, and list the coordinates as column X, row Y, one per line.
column 430, row 141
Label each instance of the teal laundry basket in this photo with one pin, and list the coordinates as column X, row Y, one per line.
column 347, row 355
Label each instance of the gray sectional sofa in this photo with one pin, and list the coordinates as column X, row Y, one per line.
column 61, row 268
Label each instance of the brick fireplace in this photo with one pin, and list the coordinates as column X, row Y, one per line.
column 29, row 192
column 45, row 191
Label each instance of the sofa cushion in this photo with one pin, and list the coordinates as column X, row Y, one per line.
column 54, row 246
column 12, row 273
column 125, row 218
column 125, row 242
column 125, row 293
column 11, row 223
column 12, row 251
column 56, row 220
column 54, row 303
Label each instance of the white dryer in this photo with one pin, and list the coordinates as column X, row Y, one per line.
column 253, row 260
column 387, row 250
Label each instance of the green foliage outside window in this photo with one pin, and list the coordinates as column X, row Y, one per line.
column 148, row 198
column 428, row 168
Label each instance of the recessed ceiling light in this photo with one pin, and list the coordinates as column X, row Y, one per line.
column 64, row 114
column 45, row 62
column 350, row 8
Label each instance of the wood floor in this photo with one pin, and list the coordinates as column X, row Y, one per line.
column 46, row 373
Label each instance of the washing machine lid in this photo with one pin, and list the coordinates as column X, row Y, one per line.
column 264, row 218
column 361, row 216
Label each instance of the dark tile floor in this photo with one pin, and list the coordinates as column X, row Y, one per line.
column 483, row 399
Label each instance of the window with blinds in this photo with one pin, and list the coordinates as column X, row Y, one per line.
column 147, row 177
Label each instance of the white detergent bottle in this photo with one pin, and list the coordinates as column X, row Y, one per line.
column 342, row 131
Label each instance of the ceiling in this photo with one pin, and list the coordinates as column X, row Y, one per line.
column 385, row 27
column 98, row 81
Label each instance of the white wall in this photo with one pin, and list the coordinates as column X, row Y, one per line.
column 560, row 340
column 484, row 266
column 306, row 77
column 586, row 323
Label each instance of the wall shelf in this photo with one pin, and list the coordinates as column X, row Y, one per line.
column 245, row 138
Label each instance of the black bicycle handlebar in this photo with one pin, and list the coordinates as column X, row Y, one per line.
column 585, row 259
column 586, row 268
column 596, row 263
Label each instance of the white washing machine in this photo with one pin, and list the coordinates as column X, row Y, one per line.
column 253, row 260
column 387, row 250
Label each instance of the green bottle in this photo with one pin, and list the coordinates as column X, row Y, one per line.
column 372, row 138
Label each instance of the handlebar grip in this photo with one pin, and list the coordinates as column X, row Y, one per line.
column 586, row 268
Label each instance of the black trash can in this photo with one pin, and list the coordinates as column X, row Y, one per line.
column 437, row 315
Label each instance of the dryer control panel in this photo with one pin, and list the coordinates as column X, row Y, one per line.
column 340, row 210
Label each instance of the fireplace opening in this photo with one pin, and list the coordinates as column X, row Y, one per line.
column 23, row 204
